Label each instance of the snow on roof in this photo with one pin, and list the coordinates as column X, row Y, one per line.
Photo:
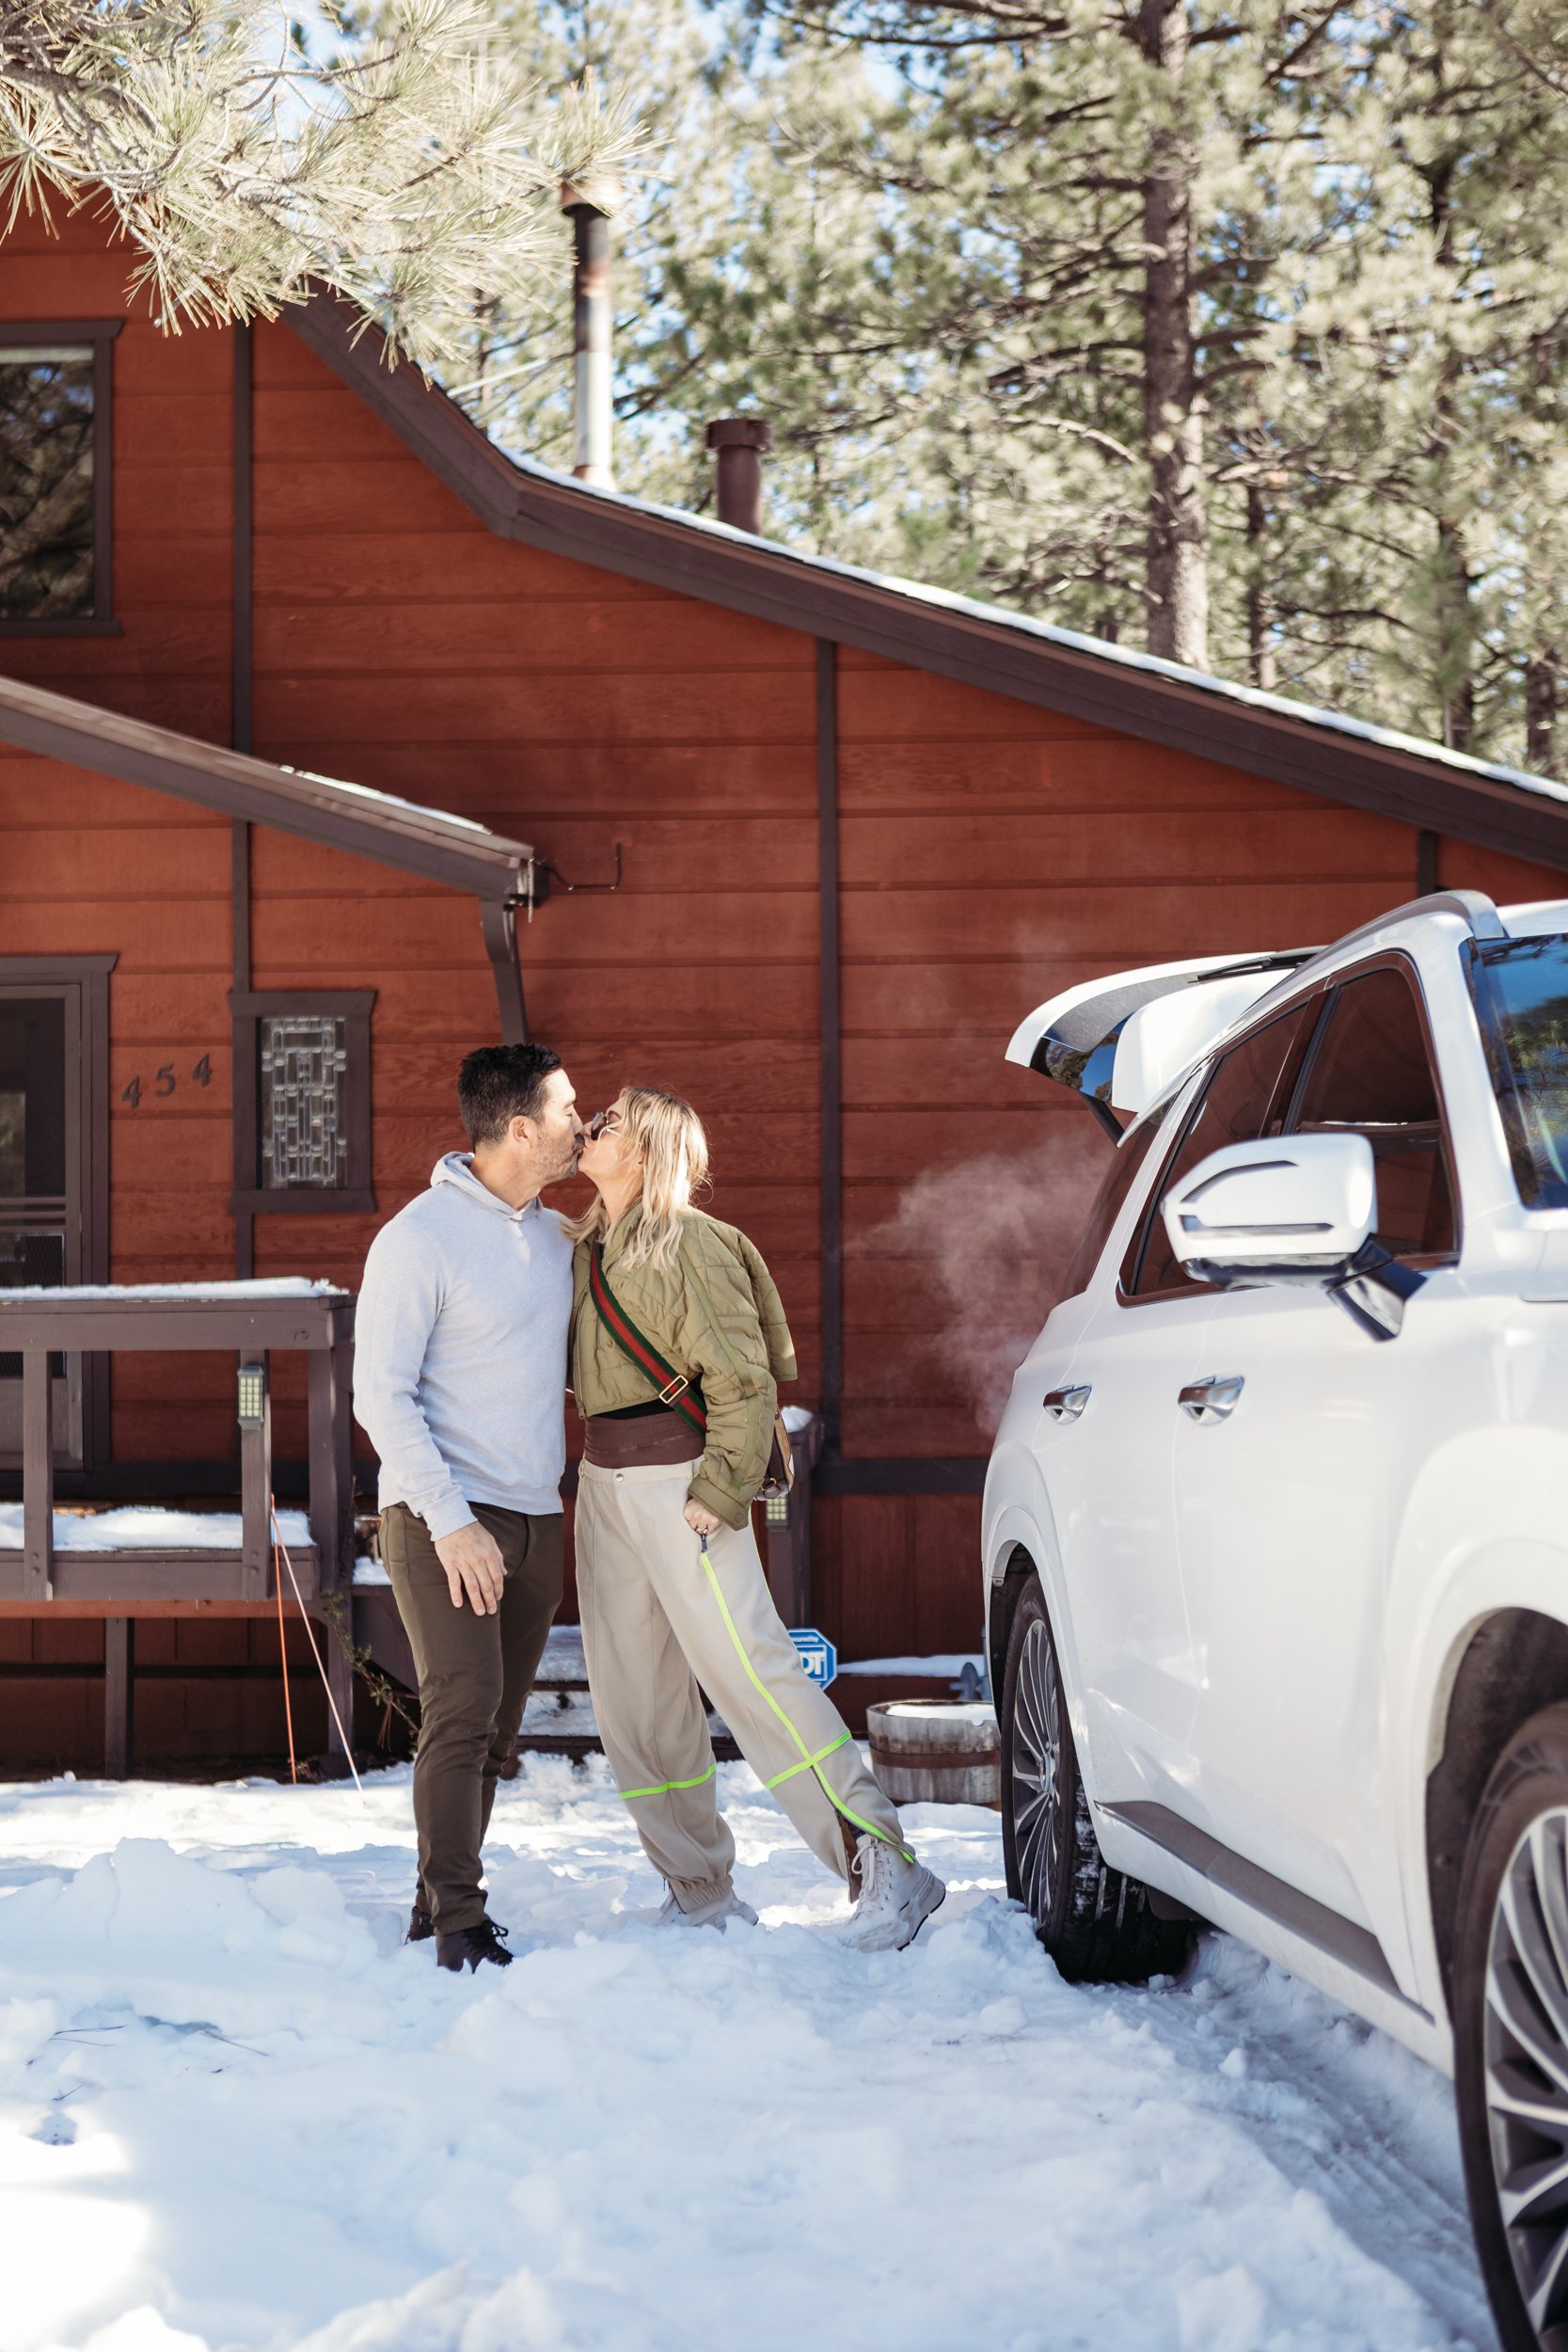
column 389, row 801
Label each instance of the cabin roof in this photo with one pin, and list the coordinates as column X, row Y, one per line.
column 377, row 825
column 1128, row 692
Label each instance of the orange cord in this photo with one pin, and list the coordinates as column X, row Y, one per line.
column 282, row 1643
column 279, row 1545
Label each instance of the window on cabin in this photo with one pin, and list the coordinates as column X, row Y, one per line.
column 51, row 545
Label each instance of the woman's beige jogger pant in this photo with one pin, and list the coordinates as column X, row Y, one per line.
column 656, row 1619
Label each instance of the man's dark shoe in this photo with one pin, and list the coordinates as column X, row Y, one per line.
column 469, row 1945
column 421, row 1926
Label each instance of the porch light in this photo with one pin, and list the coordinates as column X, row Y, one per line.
column 253, row 1395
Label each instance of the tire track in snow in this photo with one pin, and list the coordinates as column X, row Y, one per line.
column 1346, row 2113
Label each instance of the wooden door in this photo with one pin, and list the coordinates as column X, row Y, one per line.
column 53, row 1144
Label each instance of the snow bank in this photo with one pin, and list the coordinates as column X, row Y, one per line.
column 235, row 2112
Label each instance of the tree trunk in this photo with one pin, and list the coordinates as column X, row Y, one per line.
column 1178, row 558
column 1541, row 708
column 1455, row 681
column 1261, row 665
column 1451, row 577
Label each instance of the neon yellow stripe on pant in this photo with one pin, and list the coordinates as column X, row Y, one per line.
column 666, row 1787
column 809, row 1762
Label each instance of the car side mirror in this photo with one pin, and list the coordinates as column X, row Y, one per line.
column 1294, row 1210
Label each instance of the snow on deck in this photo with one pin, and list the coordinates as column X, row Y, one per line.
column 147, row 1527
column 272, row 1286
column 236, row 2112
column 942, row 1666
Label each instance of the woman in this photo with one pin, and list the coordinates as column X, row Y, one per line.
column 679, row 1338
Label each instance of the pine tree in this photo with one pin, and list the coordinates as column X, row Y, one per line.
column 1236, row 332
column 245, row 159
column 1421, row 363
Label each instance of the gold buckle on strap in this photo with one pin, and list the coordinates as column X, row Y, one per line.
column 674, row 1387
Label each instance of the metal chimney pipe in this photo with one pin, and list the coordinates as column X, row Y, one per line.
column 591, row 398
column 742, row 443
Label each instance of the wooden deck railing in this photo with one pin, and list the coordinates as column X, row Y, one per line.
column 174, row 1580
column 38, row 1323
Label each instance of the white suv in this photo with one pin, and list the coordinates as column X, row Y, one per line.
column 1276, row 1529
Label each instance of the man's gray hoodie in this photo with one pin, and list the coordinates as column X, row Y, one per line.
column 460, row 1352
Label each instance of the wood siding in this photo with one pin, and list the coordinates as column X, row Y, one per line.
column 990, row 853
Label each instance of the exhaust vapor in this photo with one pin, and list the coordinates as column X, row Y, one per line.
column 989, row 1243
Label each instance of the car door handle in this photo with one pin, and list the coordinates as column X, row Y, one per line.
column 1067, row 1403
column 1213, row 1399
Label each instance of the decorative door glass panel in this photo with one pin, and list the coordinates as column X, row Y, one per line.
column 304, row 1130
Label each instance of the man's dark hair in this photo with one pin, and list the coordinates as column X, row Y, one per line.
column 497, row 1083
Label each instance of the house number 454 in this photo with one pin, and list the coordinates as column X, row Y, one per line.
column 165, row 1081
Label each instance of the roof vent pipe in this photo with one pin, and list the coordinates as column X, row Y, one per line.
column 591, row 396
column 742, row 443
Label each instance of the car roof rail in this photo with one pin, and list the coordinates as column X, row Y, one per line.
column 1472, row 907
column 1478, row 910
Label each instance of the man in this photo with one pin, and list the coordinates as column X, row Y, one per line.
column 459, row 1382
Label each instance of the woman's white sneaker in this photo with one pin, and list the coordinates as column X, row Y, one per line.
column 896, row 1897
column 713, row 1914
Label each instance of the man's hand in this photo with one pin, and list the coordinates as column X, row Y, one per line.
column 698, row 1516
column 472, row 1560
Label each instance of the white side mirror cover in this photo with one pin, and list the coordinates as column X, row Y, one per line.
column 1285, row 1201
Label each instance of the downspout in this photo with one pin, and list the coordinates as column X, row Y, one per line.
column 498, row 922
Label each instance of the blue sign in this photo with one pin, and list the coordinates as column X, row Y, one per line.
column 817, row 1654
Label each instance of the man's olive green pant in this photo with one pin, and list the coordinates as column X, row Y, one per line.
column 475, row 1674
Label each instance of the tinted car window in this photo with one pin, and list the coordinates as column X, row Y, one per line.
column 1521, row 991
column 1247, row 1096
column 1127, row 1159
column 1372, row 1072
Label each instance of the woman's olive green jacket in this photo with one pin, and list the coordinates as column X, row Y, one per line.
column 716, row 1317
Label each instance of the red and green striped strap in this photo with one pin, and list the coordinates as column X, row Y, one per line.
column 674, row 1390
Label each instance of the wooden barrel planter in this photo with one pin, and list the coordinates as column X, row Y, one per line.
column 936, row 1750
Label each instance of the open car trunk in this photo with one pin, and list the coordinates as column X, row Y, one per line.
column 1122, row 1040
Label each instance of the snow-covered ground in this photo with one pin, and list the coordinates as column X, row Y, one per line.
column 236, row 2111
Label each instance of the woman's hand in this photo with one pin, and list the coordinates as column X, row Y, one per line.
column 700, row 1518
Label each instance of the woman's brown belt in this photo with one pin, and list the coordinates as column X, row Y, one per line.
column 640, row 1442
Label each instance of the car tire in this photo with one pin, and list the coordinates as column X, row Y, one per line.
column 1510, row 1994
column 1097, row 1924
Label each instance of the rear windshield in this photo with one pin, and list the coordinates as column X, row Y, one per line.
column 1521, row 991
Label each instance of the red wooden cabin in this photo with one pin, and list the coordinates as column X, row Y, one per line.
column 861, row 830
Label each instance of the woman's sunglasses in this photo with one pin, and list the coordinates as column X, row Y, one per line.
column 603, row 1123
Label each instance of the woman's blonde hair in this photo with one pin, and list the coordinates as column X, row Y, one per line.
column 668, row 1135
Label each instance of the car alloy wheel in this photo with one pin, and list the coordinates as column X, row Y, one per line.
column 1526, row 2043
column 1036, row 1757
column 1095, row 1923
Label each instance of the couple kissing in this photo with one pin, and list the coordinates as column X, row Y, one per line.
column 480, row 1307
